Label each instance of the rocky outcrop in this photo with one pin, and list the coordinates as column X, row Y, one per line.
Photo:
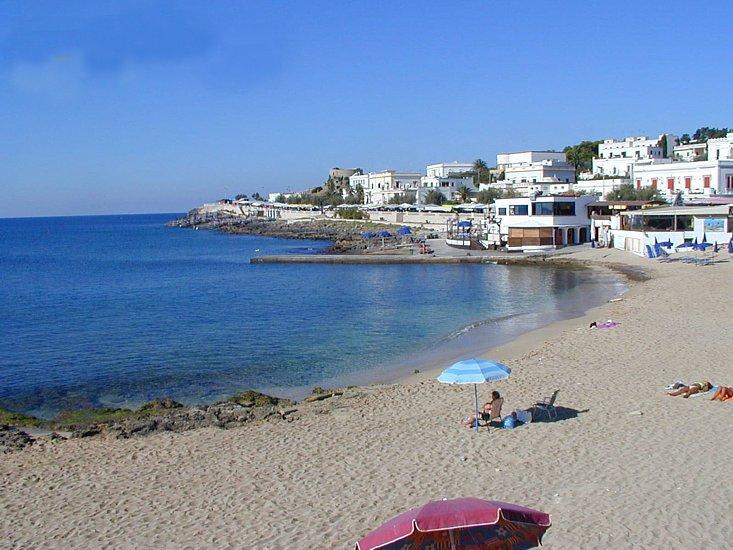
column 167, row 415
column 13, row 440
column 346, row 236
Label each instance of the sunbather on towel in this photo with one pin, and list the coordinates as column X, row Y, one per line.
column 723, row 393
column 687, row 391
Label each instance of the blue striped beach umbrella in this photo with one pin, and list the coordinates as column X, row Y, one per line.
column 474, row 371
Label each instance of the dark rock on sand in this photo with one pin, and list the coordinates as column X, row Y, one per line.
column 13, row 440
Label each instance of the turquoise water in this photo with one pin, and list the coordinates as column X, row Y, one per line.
column 117, row 310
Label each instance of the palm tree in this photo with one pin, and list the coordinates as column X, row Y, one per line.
column 479, row 166
column 464, row 193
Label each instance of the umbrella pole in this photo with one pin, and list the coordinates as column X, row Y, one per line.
column 475, row 395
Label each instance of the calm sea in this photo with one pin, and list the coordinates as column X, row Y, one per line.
column 117, row 310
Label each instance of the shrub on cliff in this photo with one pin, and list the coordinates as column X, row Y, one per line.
column 352, row 214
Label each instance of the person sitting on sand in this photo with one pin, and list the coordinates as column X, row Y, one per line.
column 490, row 412
column 687, row 391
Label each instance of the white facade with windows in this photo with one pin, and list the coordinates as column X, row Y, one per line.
column 446, row 169
column 380, row 187
column 542, row 171
column 541, row 223
column 507, row 160
column 689, row 151
column 639, row 230
column 616, row 157
column 721, row 148
column 693, row 179
column 448, row 186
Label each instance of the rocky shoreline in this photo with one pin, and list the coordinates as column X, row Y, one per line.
column 345, row 235
column 161, row 415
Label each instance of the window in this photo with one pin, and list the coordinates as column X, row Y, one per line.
column 518, row 210
column 670, row 184
column 563, row 208
column 684, row 223
column 502, row 212
column 729, row 183
column 654, row 183
column 542, row 209
column 706, row 182
column 688, row 182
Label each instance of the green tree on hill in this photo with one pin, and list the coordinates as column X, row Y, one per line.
column 434, row 197
column 581, row 155
column 705, row 133
column 464, row 193
column 488, row 196
column 480, row 167
column 628, row 192
column 407, row 197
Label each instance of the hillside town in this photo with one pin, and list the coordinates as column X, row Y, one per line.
column 631, row 193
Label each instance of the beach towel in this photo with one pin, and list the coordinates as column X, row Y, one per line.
column 722, row 393
column 708, row 393
column 608, row 325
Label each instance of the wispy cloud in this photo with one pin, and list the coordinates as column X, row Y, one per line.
column 47, row 50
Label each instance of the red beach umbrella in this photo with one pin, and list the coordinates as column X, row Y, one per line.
column 463, row 523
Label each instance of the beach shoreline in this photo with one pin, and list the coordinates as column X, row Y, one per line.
column 400, row 368
column 342, row 466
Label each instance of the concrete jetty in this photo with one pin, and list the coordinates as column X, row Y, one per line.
column 385, row 259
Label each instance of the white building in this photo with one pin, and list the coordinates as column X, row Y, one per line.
column 689, row 151
column 542, row 223
column 616, row 157
column 693, row 179
column 448, row 186
column 721, row 148
column 599, row 187
column 545, row 171
column 639, row 230
column 446, row 169
column 380, row 187
column 507, row 160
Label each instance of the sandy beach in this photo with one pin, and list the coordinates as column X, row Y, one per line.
column 625, row 465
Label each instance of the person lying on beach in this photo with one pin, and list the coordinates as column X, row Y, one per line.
column 490, row 412
column 687, row 391
column 723, row 393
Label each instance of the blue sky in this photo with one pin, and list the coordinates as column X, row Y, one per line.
column 116, row 107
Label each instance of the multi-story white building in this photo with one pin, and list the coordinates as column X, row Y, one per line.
column 688, row 152
column 616, row 157
column 544, row 171
column 446, row 169
column 693, row 179
column 448, row 186
column 380, row 187
column 721, row 148
column 508, row 160
column 544, row 222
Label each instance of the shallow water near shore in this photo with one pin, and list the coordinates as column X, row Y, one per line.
column 117, row 310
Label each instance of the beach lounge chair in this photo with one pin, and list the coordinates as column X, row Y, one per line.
column 546, row 407
column 495, row 413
